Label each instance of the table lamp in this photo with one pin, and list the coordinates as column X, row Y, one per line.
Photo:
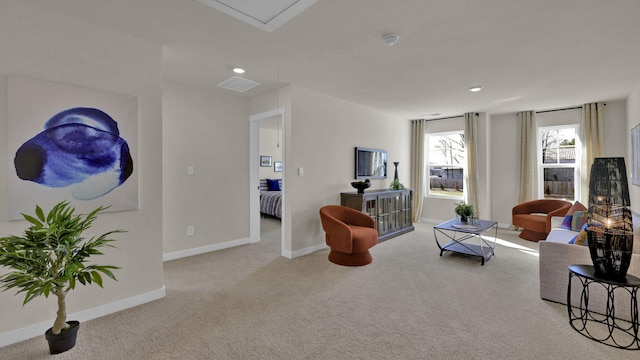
column 609, row 222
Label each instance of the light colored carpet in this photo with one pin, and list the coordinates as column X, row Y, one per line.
column 410, row 303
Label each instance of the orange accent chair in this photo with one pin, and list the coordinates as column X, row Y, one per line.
column 349, row 233
column 534, row 217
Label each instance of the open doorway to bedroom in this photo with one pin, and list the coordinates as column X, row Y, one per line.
column 267, row 177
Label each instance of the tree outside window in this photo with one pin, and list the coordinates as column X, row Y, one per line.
column 446, row 159
column 558, row 163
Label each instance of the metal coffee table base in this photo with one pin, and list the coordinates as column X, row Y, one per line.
column 459, row 235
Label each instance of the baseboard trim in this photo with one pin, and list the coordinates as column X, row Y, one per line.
column 28, row 332
column 204, row 249
column 303, row 252
column 234, row 243
column 431, row 221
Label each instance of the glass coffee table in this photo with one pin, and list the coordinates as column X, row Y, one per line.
column 467, row 238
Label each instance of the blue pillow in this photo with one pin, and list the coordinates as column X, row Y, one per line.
column 273, row 185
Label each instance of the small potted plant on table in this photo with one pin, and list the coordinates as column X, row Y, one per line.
column 465, row 211
column 50, row 258
column 396, row 185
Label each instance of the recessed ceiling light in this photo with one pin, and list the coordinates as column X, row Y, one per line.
column 238, row 70
column 475, row 88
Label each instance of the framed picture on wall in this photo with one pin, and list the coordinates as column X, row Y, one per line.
column 265, row 161
column 277, row 166
column 635, row 151
column 70, row 143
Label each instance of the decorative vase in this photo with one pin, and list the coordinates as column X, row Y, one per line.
column 64, row 341
column 609, row 222
column 361, row 185
column 395, row 174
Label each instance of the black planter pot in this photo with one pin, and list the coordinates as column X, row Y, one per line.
column 64, row 341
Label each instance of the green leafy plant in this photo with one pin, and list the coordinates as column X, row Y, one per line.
column 51, row 257
column 464, row 210
column 396, row 185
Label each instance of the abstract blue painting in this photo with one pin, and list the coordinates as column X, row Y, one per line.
column 70, row 143
column 79, row 147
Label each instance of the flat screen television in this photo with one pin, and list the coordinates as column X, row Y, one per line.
column 371, row 163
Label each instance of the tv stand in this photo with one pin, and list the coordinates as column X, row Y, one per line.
column 390, row 209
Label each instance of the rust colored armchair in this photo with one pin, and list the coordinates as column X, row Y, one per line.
column 349, row 233
column 534, row 217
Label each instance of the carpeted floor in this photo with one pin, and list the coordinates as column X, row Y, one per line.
column 410, row 303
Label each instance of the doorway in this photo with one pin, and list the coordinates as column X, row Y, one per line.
column 266, row 128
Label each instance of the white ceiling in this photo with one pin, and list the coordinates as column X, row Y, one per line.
column 527, row 54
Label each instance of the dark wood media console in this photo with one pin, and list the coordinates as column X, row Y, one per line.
column 391, row 209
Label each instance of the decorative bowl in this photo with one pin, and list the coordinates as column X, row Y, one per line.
column 360, row 185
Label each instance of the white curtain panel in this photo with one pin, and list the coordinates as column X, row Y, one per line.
column 592, row 143
column 528, row 169
column 417, row 167
column 471, row 146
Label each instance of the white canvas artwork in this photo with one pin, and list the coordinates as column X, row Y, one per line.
column 70, row 143
column 635, row 148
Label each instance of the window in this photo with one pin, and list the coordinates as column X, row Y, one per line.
column 446, row 160
column 559, row 163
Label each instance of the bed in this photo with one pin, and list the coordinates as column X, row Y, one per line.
column 271, row 198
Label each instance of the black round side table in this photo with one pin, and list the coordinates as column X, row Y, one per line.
column 605, row 328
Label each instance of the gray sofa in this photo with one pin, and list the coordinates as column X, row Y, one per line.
column 556, row 254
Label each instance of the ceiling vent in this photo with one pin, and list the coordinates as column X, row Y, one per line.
column 238, row 84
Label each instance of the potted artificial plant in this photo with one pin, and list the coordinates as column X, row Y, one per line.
column 51, row 258
column 464, row 211
column 396, row 185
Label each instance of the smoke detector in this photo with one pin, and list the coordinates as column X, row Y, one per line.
column 390, row 39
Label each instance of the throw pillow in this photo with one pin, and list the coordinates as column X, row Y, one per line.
column 579, row 219
column 568, row 219
column 273, row 185
column 581, row 238
column 566, row 223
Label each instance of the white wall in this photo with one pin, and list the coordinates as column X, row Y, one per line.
column 208, row 130
column 42, row 45
column 325, row 131
column 504, row 167
column 270, row 146
column 632, row 120
column 321, row 134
